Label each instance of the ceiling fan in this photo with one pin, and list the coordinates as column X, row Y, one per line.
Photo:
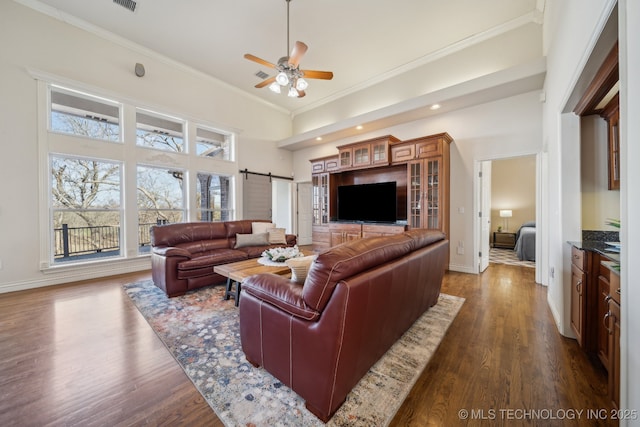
column 289, row 75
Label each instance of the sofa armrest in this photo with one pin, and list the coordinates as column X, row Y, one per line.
column 280, row 292
column 171, row 251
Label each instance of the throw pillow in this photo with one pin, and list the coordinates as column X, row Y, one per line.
column 300, row 267
column 277, row 236
column 242, row 240
column 261, row 227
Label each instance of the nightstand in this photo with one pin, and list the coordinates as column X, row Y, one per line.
column 502, row 239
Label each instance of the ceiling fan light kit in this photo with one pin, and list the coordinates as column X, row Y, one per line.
column 288, row 70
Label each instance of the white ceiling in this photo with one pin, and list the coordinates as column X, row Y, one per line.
column 362, row 41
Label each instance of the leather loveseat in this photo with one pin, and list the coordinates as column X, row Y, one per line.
column 320, row 337
column 183, row 255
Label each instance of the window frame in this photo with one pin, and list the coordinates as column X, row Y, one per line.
column 130, row 155
column 54, row 210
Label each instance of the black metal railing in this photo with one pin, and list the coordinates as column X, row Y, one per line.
column 96, row 240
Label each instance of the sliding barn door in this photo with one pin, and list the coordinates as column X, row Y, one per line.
column 256, row 196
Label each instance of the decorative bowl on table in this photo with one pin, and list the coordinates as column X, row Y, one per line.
column 280, row 255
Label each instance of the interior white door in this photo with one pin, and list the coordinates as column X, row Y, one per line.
column 304, row 213
column 484, row 216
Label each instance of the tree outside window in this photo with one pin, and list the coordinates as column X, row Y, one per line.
column 160, row 199
column 86, row 208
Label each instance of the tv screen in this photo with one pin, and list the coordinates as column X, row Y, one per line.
column 367, row 202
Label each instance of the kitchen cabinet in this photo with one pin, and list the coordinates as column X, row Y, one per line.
column 612, row 322
column 611, row 114
column 578, row 298
column 595, row 307
column 603, row 309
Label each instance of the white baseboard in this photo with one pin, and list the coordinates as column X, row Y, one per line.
column 53, row 276
column 462, row 269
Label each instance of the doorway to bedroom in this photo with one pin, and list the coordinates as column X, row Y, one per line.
column 509, row 221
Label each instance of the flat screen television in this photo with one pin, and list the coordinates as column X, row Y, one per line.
column 367, row 202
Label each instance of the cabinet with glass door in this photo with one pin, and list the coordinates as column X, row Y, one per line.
column 428, row 188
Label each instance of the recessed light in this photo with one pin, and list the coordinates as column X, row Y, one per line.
column 319, row 138
column 435, row 106
column 359, row 127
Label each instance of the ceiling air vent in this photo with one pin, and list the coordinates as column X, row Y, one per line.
column 129, row 4
column 262, row 75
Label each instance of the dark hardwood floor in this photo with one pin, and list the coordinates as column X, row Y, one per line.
column 81, row 354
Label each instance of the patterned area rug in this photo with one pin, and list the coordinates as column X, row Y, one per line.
column 201, row 331
column 507, row 256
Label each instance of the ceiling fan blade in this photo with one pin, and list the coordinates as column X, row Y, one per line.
column 297, row 52
column 266, row 82
column 259, row 60
column 314, row 74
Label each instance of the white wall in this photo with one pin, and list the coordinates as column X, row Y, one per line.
column 506, row 128
column 571, row 31
column 33, row 41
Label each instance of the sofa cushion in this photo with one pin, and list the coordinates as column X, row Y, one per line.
column 204, row 264
column 300, row 267
column 422, row 237
column 244, row 240
column 243, row 226
column 277, row 236
column 261, row 227
column 200, row 246
column 174, row 234
column 347, row 260
column 280, row 292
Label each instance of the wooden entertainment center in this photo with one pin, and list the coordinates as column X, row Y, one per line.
column 419, row 167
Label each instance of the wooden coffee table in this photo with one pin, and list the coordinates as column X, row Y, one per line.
column 237, row 272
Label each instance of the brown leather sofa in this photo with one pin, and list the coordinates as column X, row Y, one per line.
column 183, row 255
column 320, row 338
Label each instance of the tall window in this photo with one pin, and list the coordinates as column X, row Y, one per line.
column 86, row 206
column 78, row 114
column 107, row 182
column 214, row 197
column 160, row 198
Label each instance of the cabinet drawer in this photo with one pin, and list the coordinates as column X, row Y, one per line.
column 428, row 149
column 347, row 228
column 403, row 153
column 331, row 164
column 369, row 230
column 578, row 258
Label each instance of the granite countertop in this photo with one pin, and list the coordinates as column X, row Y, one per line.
column 596, row 246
